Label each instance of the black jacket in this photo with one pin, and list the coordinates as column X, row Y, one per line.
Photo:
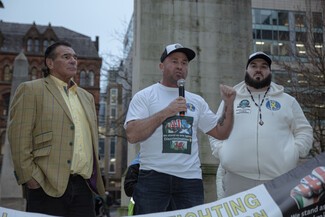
column 131, row 179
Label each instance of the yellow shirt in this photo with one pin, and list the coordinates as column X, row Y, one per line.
column 82, row 160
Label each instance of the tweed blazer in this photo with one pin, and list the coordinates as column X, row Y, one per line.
column 41, row 136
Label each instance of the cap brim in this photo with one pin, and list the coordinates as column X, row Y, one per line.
column 260, row 56
column 190, row 54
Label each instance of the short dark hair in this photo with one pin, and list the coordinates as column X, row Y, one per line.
column 50, row 53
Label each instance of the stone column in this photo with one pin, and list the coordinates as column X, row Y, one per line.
column 10, row 192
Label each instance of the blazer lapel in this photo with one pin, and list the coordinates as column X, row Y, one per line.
column 50, row 85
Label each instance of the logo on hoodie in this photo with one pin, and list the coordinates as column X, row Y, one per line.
column 243, row 107
column 273, row 105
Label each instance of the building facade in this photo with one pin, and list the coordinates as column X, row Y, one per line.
column 280, row 28
column 118, row 95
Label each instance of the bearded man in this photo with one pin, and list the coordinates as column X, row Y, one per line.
column 269, row 134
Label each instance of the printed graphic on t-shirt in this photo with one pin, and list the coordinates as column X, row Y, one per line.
column 177, row 134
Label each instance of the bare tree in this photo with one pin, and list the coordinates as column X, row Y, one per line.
column 306, row 70
column 114, row 62
column 116, row 80
column 116, row 72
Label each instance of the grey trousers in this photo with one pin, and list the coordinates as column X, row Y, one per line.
column 233, row 183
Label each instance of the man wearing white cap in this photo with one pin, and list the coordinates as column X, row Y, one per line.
column 170, row 176
column 270, row 131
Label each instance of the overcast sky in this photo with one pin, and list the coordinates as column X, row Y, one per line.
column 103, row 18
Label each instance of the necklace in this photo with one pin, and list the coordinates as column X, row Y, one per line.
column 260, row 105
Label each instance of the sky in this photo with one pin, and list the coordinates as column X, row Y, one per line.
column 107, row 19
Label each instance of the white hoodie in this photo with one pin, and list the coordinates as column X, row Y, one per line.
column 268, row 151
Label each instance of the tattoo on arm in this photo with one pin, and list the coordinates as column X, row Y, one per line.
column 223, row 117
column 221, row 120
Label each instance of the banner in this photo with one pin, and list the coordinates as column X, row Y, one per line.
column 301, row 192
column 298, row 193
column 4, row 212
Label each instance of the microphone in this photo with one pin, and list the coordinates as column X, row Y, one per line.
column 181, row 91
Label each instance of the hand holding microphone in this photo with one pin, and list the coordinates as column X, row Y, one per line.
column 181, row 92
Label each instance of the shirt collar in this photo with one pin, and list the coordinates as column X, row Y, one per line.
column 61, row 84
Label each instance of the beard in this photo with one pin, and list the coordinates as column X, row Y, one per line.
column 258, row 84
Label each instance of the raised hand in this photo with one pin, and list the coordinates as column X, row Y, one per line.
column 228, row 94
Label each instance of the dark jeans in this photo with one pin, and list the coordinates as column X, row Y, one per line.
column 77, row 200
column 158, row 192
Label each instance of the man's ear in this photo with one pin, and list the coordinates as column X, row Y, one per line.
column 49, row 63
column 161, row 66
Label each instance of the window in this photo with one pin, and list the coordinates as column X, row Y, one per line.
column 281, row 77
column 113, row 112
column 300, row 49
column 270, row 17
column 91, row 79
column 267, row 34
column 319, row 48
column 102, row 112
column 30, row 45
column 112, row 124
column 283, row 48
column 33, row 45
column 261, row 16
column 101, row 148
column 283, row 19
column 257, row 34
column 112, row 155
column 318, row 38
column 301, row 37
column 301, row 78
column 87, row 79
column 264, row 46
column 82, row 78
column 284, row 36
column 7, row 75
column 300, row 20
column 45, row 44
column 36, row 46
column 317, row 20
column 5, row 106
column 113, row 96
column 275, row 48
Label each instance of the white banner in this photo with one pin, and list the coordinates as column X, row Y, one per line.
column 255, row 202
column 298, row 193
column 4, row 212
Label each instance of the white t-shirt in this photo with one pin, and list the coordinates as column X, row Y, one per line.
column 173, row 147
